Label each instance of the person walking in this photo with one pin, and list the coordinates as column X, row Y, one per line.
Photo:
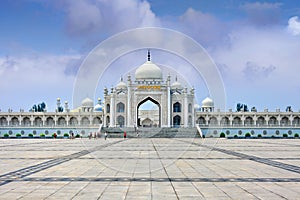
column 125, row 135
column 105, row 135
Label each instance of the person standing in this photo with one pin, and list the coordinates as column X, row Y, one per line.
column 125, row 135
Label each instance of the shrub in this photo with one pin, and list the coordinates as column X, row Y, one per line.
column 18, row 135
column 259, row 135
column 30, row 135
column 66, row 135
column 296, row 135
column 77, row 136
column 222, row 135
column 6, row 135
column 284, row 135
column 235, row 136
column 42, row 135
column 247, row 135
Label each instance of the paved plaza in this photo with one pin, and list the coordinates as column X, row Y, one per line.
column 148, row 168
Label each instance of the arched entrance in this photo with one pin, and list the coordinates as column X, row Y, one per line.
column 176, row 121
column 149, row 109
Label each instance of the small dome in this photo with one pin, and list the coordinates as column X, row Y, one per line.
column 87, row 102
column 176, row 85
column 121, row 85
column 207, row 102
column 98, row 108
column 148, row 70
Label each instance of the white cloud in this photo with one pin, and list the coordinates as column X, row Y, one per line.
column 262, row 14
column 260, row 66
column 294, row 25
column 31, row 79
column 204, row 27
column 84, row 17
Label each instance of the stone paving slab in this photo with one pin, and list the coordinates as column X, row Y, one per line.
column 148, row 168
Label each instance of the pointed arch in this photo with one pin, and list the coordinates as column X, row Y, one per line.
column 153, row 101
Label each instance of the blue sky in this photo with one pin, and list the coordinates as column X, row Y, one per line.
column 255, row 45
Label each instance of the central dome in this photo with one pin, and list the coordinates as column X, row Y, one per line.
column 148, row 70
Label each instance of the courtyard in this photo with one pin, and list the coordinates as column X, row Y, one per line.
column 150, row 168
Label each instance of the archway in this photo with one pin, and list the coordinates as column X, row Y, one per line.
column 121, row 120
column 149, row 108
column 176, row 121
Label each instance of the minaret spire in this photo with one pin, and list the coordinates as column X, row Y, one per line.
column 149, row 55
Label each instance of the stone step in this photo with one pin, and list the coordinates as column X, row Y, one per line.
column 152, row 132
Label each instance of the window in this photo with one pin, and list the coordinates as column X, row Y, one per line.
column 213, row 121
column 201, row 121
column 176, row 121
column 107, row 108
column 85, row 121
column 121, row 121
column 177, row 107
column 120, row 107
column 190, row 108
column 73, row 121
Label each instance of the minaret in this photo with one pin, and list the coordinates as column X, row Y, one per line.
column 66, row 106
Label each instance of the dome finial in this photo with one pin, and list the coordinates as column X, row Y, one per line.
column 149, row 55
column 121, row 78
column 176, row 78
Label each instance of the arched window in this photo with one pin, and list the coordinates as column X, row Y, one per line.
column 190, row 108
column 248, row 121
column 296, row 121
column 120, row 107
column 237, row 121
column 85, row 121
column 107, row 120
column 177, row 107
column 284, row 121
column 176, row 121
column 107, row 108
column 261, row 121
column 213, row 121
column 14, row 121
column 26, row 121
column 225, row 121
column 190, row 121
column 201, row 121
column 97, row 121
column 73, row 121
column 121, row 120
column 3, row 121
column 38, row 121
column 273, row 121
column 49, row 121
column 61, row 121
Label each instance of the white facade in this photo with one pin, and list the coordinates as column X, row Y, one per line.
column 122, row 107
column 122, row 103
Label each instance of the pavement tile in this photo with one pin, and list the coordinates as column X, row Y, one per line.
column 134, row 169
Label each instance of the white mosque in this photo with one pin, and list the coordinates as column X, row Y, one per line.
column 173, row 107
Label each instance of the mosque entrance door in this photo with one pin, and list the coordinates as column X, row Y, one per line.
column 148, row 113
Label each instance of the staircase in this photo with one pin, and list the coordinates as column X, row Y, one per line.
column 153, row 132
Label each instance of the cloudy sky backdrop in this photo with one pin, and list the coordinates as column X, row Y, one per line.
column 255, row 45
